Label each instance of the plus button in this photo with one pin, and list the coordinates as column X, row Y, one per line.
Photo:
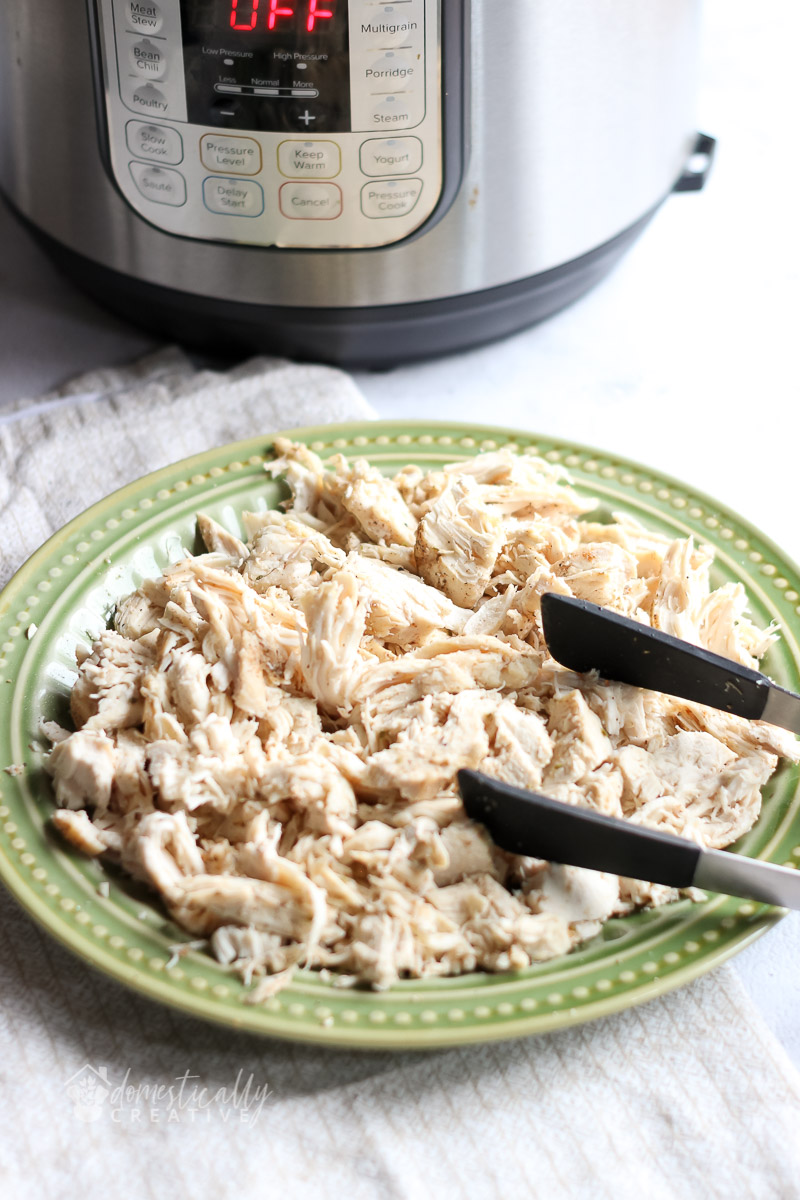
column 307, row 118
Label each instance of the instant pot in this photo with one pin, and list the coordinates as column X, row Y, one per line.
column 351, row 180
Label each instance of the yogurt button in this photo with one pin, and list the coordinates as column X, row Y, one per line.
column 159, row 184
column 390, row 197
column 311, row 201
column 391, row 156
column 234, row 197
column 158, row 142
column 148, row 59
column 143, row 16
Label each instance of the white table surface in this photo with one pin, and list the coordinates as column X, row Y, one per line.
column 684, row 359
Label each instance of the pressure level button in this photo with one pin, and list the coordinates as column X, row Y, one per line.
column 143, row 16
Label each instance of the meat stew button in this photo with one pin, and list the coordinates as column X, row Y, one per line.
column 390, row 197
column 311, row 201
column 144, row 16
column 235, row 197
column 159, row 184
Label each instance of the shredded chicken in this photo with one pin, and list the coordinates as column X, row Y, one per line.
column 270, row 734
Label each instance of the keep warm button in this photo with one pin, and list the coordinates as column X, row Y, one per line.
column 236, row 197
column 390, row 197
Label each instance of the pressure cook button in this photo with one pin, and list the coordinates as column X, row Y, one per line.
column 149, row 99
column 390, row 111
column 235, row 197
column 143, row 16
column 391, row 156
column 148, row 59
column 311, row 201
column 159, row 184
column 154, row 141
column 232, row 155
column 390, row 197
column 309, row 160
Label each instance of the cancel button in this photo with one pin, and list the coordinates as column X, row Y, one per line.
column 390, row 197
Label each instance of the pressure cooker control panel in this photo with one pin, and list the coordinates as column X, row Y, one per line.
column 297, row 123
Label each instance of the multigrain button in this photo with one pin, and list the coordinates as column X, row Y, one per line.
column 309, row 160
column 230, row 155
column 390, row 197
column 311, row 201
column 150, row 99
column 157, row 142
column 236, row 197
column 143, row 16
column 148, row 59
column 391, row 156
column 159, row 184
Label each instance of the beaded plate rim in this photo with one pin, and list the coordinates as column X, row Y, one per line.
column 654, row 954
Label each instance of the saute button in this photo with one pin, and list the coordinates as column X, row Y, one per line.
column 390, row 197
column 311, row 160
column 391, row 156
column 233, row 155
column 149, row 99
column 235, row 197
column 159, row 184
column 148, row 59
column 311, row 201
column 154, row 141
column 143, row 16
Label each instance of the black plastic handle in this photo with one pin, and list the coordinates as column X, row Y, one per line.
column 526, row 823
column 698, row 168
column 586, row 637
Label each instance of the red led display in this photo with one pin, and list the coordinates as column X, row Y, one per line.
column 244, row 16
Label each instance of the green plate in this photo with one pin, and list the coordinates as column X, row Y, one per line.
column 68, row 589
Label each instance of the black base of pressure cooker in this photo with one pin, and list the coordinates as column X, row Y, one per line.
column 377, row 338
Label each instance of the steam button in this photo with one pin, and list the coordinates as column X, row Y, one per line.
column 148, row 59
column 159, row 184
column 157, row 142
column 390, row 112
column 143, row 16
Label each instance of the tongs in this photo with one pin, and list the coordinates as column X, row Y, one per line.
column 586, row 637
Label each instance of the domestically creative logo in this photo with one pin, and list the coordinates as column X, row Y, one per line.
column 184, row 1098
column 88, row 1089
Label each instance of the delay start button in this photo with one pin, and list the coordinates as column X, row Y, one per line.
column 159, row 184
column 311, row 201
column 236, row 197
column 230, row 155
column 390, row 197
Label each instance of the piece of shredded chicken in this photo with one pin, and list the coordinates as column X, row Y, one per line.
column 270, row 734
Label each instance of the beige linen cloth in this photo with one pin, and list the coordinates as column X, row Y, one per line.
column 688, row 1096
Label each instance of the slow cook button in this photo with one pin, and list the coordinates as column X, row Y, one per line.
column 309, row 160
column 391, row 156
column 143, row 16
column 235, row 197
column 390, row 197
column 159, row 184
column 311, row 201
column 231, row 155
column 148, row 59
column 154, row 141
